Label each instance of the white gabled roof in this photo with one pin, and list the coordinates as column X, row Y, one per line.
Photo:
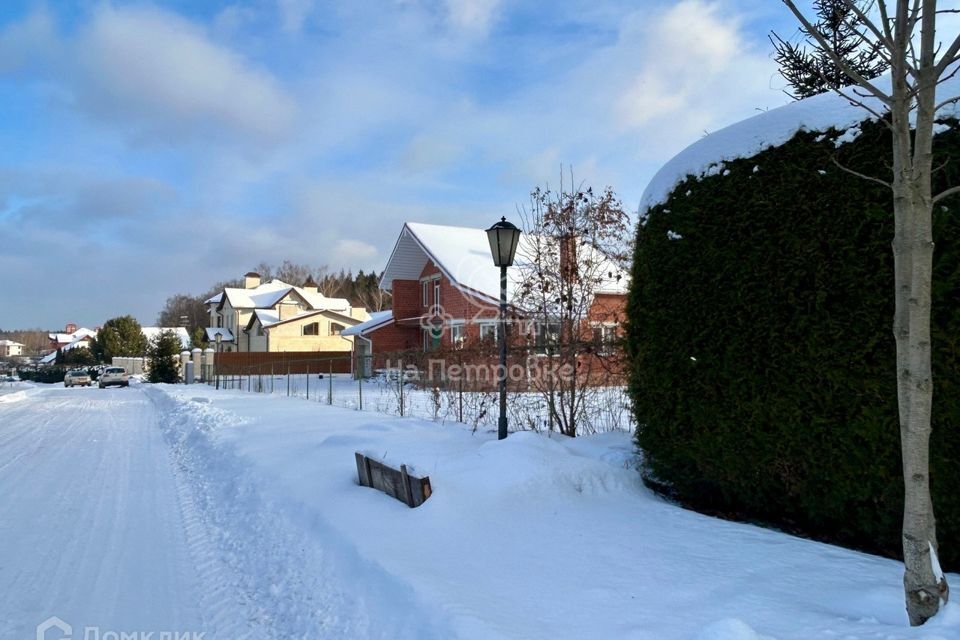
column 62, row 338
column 268, row 294
column 227, row 335
column 463, row 255
column 11, row 343
column 79, row 341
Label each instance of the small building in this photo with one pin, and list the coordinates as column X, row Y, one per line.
column 10, row 349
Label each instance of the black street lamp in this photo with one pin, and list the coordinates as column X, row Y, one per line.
column 503, row 238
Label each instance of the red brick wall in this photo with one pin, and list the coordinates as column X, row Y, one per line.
column 406, row 299
column 394, row 338
column 608, row 307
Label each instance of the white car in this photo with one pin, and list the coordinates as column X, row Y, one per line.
column 114, row 376
column 77, row 377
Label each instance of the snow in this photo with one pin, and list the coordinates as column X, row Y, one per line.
column 770, row 129
column 268, row 294
column 463, row 255
column 377, row 318
column 239, row 515
column 153, row 332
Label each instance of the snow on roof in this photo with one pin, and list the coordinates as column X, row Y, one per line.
column 463, row 255
column 214, row 299
column 211, row 332
column 66, row 338
column 268, row 294
column 771, row 129
column 377, row 319
column 152, row 332
column 11, row 343
column 79, row 341
column 266, row 316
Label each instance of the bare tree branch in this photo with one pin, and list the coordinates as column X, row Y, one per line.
column 946, row 193
column 860, row 175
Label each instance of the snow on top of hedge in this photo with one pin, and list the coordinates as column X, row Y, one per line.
column 771, row 129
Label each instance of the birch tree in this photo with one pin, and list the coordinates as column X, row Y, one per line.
column 905, row 34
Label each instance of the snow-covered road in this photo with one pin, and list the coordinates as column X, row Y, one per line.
column 91, row 526
column 111, row 521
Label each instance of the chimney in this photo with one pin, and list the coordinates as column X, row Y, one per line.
column 71, row 328
column 251, row 280
column 310, row 286
column 568, row 257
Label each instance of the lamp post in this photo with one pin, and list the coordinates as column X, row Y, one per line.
column 503, row 238
column 216, row 358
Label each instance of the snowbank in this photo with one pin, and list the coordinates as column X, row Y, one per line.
column 770, row 129
column 536, row 536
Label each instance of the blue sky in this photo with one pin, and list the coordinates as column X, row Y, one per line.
column 148, row 149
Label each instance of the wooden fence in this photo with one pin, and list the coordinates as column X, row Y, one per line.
column 247, row 363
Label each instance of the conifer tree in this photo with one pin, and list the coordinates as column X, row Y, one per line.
column 813, row 71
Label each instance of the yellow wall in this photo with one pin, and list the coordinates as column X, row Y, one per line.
column 288, row 337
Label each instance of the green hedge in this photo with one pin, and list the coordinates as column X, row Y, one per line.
column 762, row 355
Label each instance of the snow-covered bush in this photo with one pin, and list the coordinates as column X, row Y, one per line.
column 762, row 356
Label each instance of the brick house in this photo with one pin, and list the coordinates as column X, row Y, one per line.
column 446, row 295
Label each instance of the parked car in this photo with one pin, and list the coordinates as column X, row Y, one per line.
column 114, row 376
column 77, row 377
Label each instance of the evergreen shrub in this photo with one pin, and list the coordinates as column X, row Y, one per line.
column 762, row 366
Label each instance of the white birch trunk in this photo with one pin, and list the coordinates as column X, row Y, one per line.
column 913, row 87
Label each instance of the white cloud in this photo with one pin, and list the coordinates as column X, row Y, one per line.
column 162, row 72
column 688, row 58
column 350, row 251
column 475, row 17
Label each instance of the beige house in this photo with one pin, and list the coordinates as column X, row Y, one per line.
column 10, row 349
column 277, row 316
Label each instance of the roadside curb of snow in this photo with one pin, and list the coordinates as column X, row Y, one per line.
column 293, row 578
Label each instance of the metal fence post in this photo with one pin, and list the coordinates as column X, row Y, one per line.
column 308, row 381
column 360, row 394
column 330, row 385
column 400, row 384
column 288, row 378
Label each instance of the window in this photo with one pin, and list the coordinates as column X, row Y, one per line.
column 335, row 328
column 312, row 329
column 604, row 336
column 436, row 292
column 456, row 335
column 259, row 329
column 426, row 293
column 488, row 330
column 546, row 334
column 431, row 338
